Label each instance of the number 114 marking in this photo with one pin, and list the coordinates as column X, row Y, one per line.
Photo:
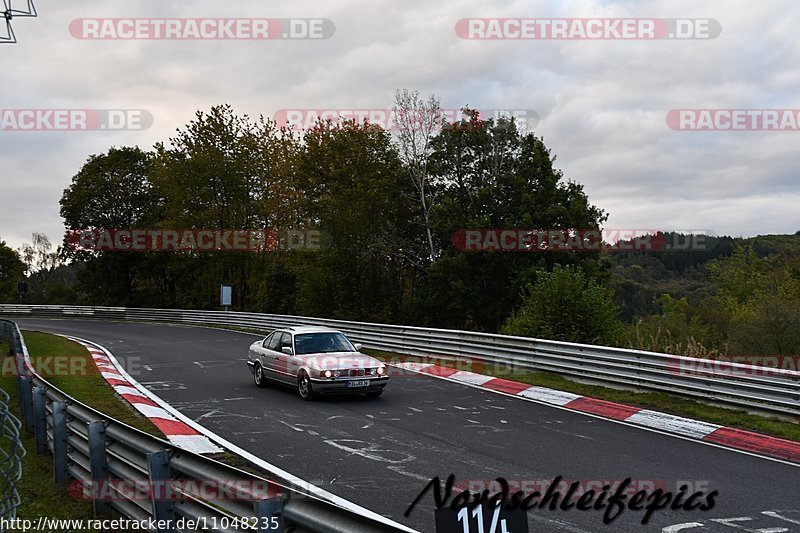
column 477, row 514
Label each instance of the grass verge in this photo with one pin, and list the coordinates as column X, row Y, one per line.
column 40, row 496
column 664, row 402
column 87, row 386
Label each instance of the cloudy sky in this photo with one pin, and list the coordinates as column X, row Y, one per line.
column 602, row 104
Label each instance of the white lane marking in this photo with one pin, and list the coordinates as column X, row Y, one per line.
column 776, row 514
column 472, row 378
column 683, row 426
column 132, row 391
column 193, row 443
column 551, row 396
column 291, row 426
column 461, row 408
column 237, row 399
column 681, row 527
column 310, row 488
column 162, row 385
column 209, row 414
column 152, row 412
column 370, row 451
column 212, row 364
column 412, row 475
column 732, row 522
column 415, row 409
column 414, row 367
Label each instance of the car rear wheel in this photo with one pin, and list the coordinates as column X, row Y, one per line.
column 258, row 376
column 304, row 387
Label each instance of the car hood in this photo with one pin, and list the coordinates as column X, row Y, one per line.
column 340, row 360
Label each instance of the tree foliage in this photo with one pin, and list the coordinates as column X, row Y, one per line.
column 564, row 304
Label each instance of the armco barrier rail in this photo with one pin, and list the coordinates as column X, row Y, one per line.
column 150, row 480
column 754, row 388
column 11, row 449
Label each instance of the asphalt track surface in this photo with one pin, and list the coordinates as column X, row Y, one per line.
column 381, row 453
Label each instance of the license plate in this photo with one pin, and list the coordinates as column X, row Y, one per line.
column 357, row 384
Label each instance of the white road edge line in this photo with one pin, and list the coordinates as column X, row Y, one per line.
column 321, row 493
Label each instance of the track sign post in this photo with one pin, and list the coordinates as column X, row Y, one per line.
column 226, row 296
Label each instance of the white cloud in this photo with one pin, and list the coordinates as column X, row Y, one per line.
column 602, row 104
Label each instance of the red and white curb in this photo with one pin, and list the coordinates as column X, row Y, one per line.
column 738, row 439
column 177, row 432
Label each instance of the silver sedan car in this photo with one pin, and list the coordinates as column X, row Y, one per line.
column 317, row 361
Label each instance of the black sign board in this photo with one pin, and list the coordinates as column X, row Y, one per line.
column 481, row 519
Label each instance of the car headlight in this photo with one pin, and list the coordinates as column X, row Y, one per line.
column 336, row 373
column 381, row 370
column 328, row 374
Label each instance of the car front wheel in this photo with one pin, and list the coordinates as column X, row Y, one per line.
column 304, row 387
column 258, row 376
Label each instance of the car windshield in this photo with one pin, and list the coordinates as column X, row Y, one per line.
column 322, row 343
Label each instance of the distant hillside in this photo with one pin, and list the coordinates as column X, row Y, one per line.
column 640, row 278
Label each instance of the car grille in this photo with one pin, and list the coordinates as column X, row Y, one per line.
column 355, row 372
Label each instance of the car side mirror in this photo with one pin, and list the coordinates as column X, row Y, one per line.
column 357, row 346
column 287, row 350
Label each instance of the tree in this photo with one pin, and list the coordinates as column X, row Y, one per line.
column 111, row 191
column 12, row 270
column 359, row 198
column 41, row 263
column 417, row 121
column 494, row 176
column 566, row 305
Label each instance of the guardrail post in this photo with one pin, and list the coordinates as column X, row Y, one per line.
column 160, row 489
column 269, row 515
column 98, row 463
column 26, row 397
column 40, row 419
column 60, row 457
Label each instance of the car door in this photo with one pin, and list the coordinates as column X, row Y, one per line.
column 285, row 368
column 269, row 353
column 257, row 350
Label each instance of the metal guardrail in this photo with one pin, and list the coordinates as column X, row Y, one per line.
column 739, row 385
column 12, row 450
column 148, row 479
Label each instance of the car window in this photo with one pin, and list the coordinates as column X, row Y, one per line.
column 274, row 341
column 286, row 340
column 322, row 343
column 265, row 344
